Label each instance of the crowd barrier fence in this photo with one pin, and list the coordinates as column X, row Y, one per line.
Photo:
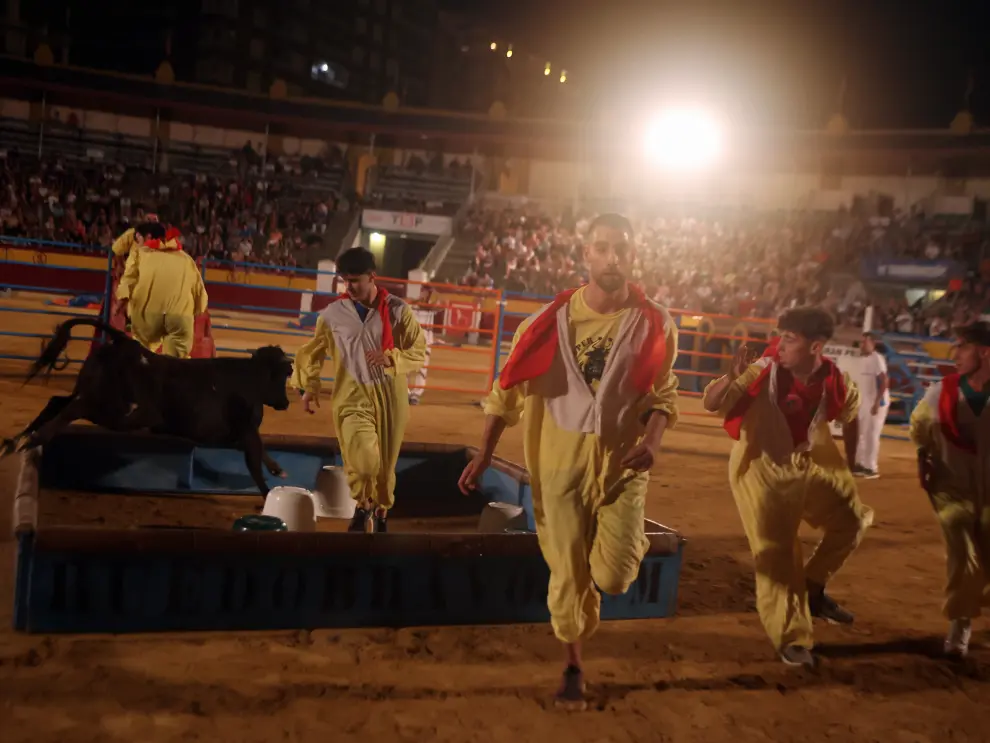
column 467, row 323
column 462, row 323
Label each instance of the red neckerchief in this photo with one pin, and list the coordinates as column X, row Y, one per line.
column 948, row 413
column 537, row 346
column 171, row 241
column 388, row 339
column 798, row 402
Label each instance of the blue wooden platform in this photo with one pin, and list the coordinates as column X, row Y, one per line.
column 72, row 579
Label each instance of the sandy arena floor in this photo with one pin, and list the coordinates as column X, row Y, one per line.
column 706, row 675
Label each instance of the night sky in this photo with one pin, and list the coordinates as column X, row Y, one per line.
column 762, row 62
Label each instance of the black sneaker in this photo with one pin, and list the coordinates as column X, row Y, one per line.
column 381, row 522
column 570, row 696
column 360, row 521
column 824, row 607
column 797, row 656
column 869, row 474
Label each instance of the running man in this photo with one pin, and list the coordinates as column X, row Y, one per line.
column 591, row 373
column 951, row 428
column 785, row 467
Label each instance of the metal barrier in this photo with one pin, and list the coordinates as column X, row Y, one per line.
column 311, row 299
column 255, row 299
column 706, row 341
column 248, row 298
column 27, row 266
column 911, row 368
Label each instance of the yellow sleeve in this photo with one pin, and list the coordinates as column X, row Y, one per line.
column 130, row 277
column 663, row 396
column 410, row 346
column 922, row 431
column 508, row 404
column 200, row 298
column 850, row 410
column 309, row 360
column 737, row 388
column 123, row 244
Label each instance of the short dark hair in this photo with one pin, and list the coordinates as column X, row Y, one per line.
column 613, row 220
column 813, row 323
column 977, row 333
column 151, row 230
column 355, row 262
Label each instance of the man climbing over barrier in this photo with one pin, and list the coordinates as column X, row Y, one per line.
column 162, row 292
column 375, row 343
column 785, row 467
column 121, row 249
column 951, row 428
column 592, row 374
column 131, row 237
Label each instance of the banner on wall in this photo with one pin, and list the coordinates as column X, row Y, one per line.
column 417, row 224
column 920, row 272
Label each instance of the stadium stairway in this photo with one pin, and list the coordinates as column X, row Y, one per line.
column 458, row 259
column 910, row 369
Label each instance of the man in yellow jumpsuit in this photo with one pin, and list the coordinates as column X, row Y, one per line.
column 591, row 373
column 375, row 343
column 785, row 467
column 951, row 428
column 131, row 238
column 162, row 291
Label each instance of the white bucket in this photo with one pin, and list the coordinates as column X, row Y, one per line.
column 497, row 517
column 332, row 495
column 293, row 505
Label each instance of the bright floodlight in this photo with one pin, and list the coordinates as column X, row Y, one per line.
column 684, row 139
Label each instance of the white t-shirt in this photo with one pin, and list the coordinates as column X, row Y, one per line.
column 869, row 368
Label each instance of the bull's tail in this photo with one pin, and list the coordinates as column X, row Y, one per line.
column 49, row 358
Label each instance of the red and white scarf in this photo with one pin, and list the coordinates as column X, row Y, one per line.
column 381, row 307
column 948, row 414
column 798, row 402
column 538, row 345
column 171, row 241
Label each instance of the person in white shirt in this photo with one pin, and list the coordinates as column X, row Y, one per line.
column 425, row 312
column 875, row 403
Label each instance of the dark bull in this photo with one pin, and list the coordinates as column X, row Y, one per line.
column 124, row 387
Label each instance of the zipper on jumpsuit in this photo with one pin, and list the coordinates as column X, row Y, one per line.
column 376, row 372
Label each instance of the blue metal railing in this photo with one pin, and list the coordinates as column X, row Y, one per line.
column 910, row 366
column 910, row 369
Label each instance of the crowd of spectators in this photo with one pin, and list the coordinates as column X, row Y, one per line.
column 256, row 210
column 744, row 264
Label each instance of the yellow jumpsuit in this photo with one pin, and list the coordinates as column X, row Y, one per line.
column 122, row 245
column 165, row 292
column 960, row 497
column 370, row 407
column 775, row 488
column 589, row 511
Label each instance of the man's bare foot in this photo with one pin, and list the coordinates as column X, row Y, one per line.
column 570, row 695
